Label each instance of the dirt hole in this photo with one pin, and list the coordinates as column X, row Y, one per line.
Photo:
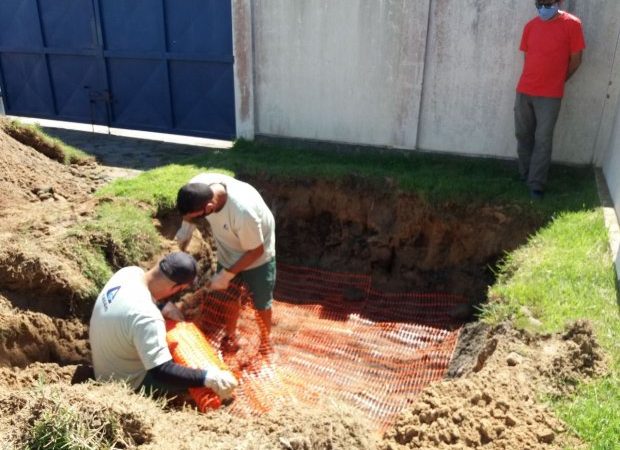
column 403, row 241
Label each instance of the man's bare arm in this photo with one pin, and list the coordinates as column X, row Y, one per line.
column 246, row 259
column 573, row 64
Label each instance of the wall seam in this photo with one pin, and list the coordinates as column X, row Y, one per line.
column 424, row 75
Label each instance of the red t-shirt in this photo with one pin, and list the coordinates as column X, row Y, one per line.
column 548, row 46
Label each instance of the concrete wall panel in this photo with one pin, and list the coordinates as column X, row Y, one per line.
column 473, row 64
column 346, row 71
column 611, row 166
column 582, row 119
column 611, row 170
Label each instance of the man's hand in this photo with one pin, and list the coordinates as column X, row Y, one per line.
column 184, row 235
column 221, row 280
column 170, row 311
column 222, row 382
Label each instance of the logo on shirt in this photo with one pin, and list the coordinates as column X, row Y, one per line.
column 225, row 226
column 109, row 296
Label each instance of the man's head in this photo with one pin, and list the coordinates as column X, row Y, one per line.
column 547, row 3
column 193, row 199
column 547, row 9
column 174, row 273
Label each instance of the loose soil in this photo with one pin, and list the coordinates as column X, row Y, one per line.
column 491, row 395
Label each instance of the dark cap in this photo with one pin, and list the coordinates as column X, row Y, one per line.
column 179, row 267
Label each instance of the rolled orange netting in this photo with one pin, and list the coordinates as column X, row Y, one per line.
column 189, row 347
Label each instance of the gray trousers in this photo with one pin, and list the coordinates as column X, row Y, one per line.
column 535, row 119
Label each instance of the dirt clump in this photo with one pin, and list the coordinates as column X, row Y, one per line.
column 580, row 357
column 496, row 403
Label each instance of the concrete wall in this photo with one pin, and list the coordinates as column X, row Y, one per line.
column 346, row 71
column 429, row 74
column 472, row 67
column 611, row 170
column 244, row 68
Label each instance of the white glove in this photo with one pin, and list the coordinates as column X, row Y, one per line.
column 172, row 312
column 184, row 234
column 222, row 382
column 221, row 280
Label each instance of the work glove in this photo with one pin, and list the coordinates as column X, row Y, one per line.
column 222, row 382
column 172, row 312
column 184, row 234
column 221, row 280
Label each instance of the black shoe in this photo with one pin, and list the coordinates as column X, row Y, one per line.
column 536, row 194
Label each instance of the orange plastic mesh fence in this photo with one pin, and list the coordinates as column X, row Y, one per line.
column 334, row 336
column 190, row 348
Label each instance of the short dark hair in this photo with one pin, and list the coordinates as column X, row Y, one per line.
column 193, row 197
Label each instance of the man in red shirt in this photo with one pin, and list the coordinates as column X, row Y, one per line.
column 553, row 44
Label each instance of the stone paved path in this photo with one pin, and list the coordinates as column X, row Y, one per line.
column 125, row 152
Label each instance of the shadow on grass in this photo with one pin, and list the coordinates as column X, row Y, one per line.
column 126, row 152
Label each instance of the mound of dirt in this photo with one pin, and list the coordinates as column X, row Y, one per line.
column 28, row 175
column 34, row 337
column 495, row 404
column 39, row 199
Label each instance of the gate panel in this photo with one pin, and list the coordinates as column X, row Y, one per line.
column 140, row 94
column 19, row 25
column 75, row 79
column 26, row 85
column 136, row 25
column 68, row 24
column 200, row 26
column 158, row 65
column 209, row 100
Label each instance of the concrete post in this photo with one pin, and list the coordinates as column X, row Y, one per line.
column 243, row 50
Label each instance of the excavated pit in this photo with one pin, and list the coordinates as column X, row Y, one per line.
column 401, row 240
column 404, row 242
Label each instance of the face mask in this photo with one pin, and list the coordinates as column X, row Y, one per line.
column 548, row 13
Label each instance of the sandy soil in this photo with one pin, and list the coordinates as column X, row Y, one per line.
column 491, row 401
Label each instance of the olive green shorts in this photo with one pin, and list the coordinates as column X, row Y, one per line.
column 261, row 281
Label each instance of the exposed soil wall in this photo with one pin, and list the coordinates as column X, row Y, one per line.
column 405, row 242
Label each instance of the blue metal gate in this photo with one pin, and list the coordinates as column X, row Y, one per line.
column 156, row 65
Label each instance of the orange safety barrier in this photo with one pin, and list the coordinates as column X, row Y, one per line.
column 189, row 347
column 334, row 336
